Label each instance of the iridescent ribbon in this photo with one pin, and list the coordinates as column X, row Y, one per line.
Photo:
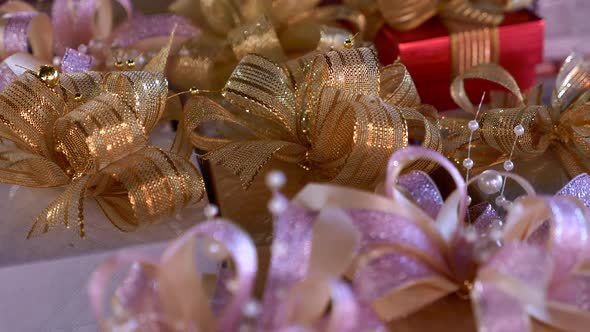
column 88, row 132
column 560, row 126
column 275, row 29
column 83, row 33
column 309, row 253
column 410, row 259
column 336, row 114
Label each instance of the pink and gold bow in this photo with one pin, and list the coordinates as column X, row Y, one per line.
column 560, row 128
column 173, row 293
column 413, row 255
column 81, row 34
column 276, row 29
column 89, row 132
column 334, row 114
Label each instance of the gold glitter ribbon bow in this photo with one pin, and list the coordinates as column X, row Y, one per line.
column 408, row 15
column 89, row 132
column 336, row 114
column 272, row 28
column 563, row 126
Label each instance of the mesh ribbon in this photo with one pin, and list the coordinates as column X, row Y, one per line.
column 89, row 134
column 561, row 126
column 336, row 114
column 272, row 28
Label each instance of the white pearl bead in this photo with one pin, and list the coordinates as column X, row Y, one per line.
column 276, row 180
column 500, row 200
column 508, row 165
column 490, row 182
column 470, row 235
column 473, row 125
column 277, row 205
column 468, row 163
column 519, row 130
column 210, row 211
column 82, row 48
column 251, row 309
column 496, row 234
column 468, row 200
column 56, row 61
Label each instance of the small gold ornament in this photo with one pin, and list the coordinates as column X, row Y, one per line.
column 130, row 63
column 119, row 64
column 193, row 91
column 348, row 43
column 48, row 75
column 78, row 97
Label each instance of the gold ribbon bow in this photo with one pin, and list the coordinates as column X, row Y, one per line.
column 408, row 15
column 89, row 132
column 336, row 114
column 561, row 127
column 272, row 28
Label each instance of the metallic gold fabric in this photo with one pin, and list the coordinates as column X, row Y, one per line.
column 561, row 126
column 276, row 29
column 90, row 135
column 336, row 114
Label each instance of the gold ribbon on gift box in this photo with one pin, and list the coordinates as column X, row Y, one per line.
column 472, row 24
column 336, row 114
column 89, row 132
column 562, row 126
column 272, row 28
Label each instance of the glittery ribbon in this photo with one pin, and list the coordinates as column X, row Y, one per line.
column 559, row 127
column 335, row 114
column 410, row 259
column 275, row 29
column 408, row 15
column 89, row 133
column 309, row 253
column 83, row 33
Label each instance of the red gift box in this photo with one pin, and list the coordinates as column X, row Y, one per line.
column 426, row 51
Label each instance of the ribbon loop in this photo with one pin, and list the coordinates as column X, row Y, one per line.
column 323, row 112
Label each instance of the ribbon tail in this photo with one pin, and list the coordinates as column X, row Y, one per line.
column 496, row 311
column 25, row 169
column 571, row 161
column 69, row 204
column 246, row 159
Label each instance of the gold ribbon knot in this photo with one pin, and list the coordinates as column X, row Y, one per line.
column 562, row 126
column 90, row 133
column 272, row 28
column 337, row 114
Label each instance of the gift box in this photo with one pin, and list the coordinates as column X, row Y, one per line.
column 428, row 54
column 20, row 205
column 248, row 207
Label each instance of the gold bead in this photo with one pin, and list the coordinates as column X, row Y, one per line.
column 78, row 97
column 130, row 63
column 48, row 75
column 193, row 91
column 348, row 43
column 119, row 64
column 69, row 172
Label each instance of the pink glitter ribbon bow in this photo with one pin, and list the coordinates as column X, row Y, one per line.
column 81, row 33
column 414, row 251
column 309, row 252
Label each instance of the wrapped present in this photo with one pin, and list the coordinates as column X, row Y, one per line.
column 435, row 53
column 331, row 117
